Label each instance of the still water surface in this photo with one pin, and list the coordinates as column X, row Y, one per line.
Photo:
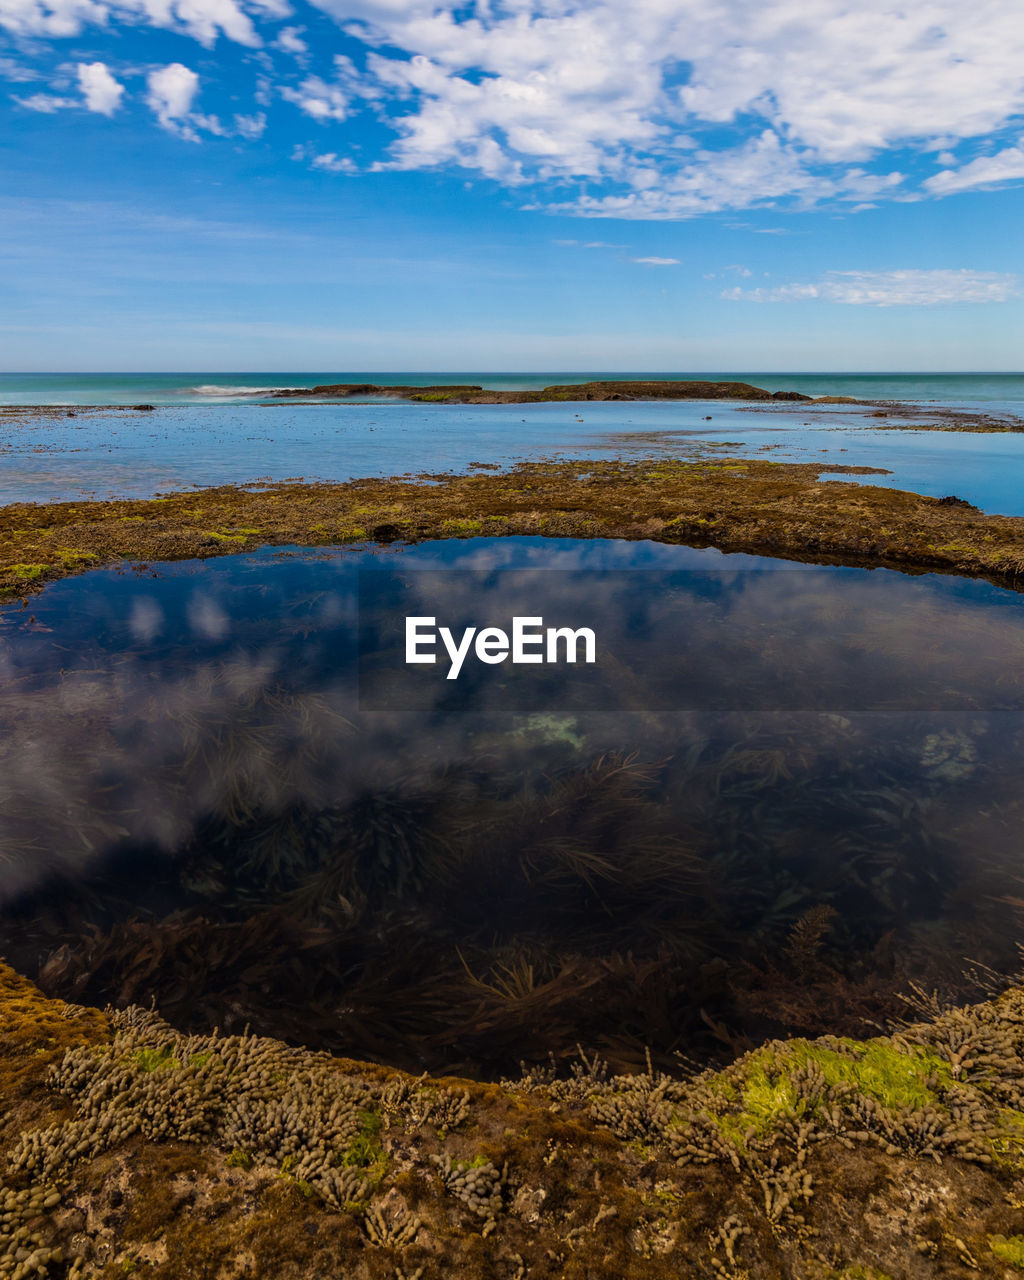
column 67, row 455
column 780, row 796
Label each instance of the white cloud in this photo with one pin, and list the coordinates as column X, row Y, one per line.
column 332, row 163
column 1005, row 166
column 565, row 89
column 46, row 103
column 633, row 97
column 273, row 9
column 762, row 171
column 208, row 123
column 16, row 73
column 250, row 126
column 50, row 17
column 657, row 262
column 889, row 288
column 203, row 20
column 318, row 99
column 289, row 40
column 101, row 91
column 172, row 90
column 327, row 162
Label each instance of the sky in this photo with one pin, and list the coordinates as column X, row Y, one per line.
column 690, row 185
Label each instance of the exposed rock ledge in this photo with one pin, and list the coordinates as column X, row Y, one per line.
column 127, row 1147
column 633, row 389
column 750, row 505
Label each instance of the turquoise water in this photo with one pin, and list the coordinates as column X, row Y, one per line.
column 217, row 387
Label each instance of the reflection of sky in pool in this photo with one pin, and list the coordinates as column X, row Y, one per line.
column 197, row 808
column 53, row 457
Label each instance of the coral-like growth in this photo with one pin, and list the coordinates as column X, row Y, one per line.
column 827, row 1159
column 237, row 1093
column 477, row 1184
column 24, row 1252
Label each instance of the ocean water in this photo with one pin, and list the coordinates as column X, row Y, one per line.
column 217, row 388
column 65, row 454
column 222, row 789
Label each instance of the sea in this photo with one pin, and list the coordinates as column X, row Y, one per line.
column 86, row 438
column 216, row 388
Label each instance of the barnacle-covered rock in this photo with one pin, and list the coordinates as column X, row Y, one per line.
column 478, row 1184
column 24, row 1251
column 133, row 1147
column 418, row 1103
column 281, row 1106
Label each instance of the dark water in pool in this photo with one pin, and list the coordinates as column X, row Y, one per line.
column 779, row 797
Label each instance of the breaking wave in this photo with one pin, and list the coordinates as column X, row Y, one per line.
column 213, row 389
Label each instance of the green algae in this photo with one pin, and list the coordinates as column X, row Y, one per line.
column 459, row 528
column 549, row 727
column 1008, row 1249
column 763, row 1092
column 1008, row 1138
column 224, row 537
column 155, row 1060
column 365, row 1150
column 894, row 1076
column 737, row 505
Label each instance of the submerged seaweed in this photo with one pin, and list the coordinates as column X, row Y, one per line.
column 208, row 819
column 467, row 918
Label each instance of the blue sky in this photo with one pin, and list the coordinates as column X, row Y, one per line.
column 538, row 184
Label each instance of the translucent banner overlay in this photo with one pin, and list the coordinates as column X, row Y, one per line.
column 799, row 639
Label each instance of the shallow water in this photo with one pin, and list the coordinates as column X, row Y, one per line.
column 54, row 457
column 779, row 796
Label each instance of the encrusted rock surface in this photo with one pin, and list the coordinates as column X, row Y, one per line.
column 749, row 505
column 129, row 1148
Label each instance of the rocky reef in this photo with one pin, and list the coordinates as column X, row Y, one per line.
column 127, row 1147
column 769, row 508
column 631, row 389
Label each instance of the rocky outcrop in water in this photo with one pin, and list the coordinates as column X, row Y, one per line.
column 632, row 389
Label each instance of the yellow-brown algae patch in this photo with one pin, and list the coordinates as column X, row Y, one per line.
column 744, row 505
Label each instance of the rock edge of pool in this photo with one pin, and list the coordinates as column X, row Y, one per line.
column 780, row 509
column 129, row 1147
